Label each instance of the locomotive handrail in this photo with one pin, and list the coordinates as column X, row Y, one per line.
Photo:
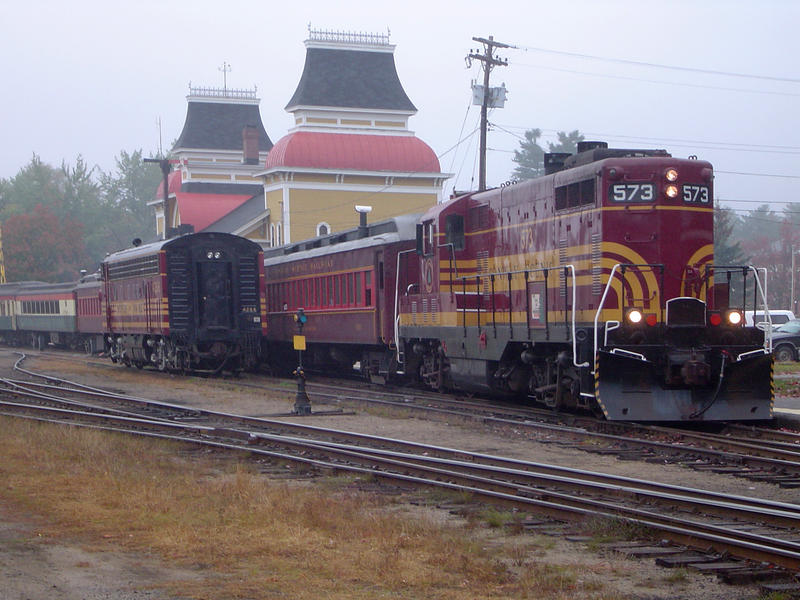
column 600, row 309
column 757, row 291
column 762, row 291
column 569, row 322
column 400, row 361
column 452, row 260
column 571, row 267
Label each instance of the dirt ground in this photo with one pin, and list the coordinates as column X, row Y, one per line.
column 31, row 567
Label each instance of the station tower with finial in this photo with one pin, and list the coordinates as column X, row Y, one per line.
column 222, row 146
column 350, row 144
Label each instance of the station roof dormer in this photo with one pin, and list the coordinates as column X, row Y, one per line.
column 215, row 119
column 350, row 80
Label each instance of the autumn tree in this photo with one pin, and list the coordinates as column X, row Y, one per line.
column 42, row 246
column 127, row 192
column 104, row 210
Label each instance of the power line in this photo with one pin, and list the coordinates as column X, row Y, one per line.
column 658, row 65
column 622, row 137
column 660, row 82
column 758, row 174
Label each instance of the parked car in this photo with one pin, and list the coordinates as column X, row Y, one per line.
column 753, row 318
column 786, row 341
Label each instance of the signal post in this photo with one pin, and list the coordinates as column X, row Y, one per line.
column 302, row 405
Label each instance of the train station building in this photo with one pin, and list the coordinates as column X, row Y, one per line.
column 215, row 160
column 350, row 145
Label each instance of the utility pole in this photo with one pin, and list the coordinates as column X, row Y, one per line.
column 489, row 61
column 2, row 259
column 166, row 167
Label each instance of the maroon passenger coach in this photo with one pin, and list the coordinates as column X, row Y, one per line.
column 346, row 283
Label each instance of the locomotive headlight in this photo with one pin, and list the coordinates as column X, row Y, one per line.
column 209, row 254
column 671, row 191
column 634, row 316
column 671, row 175
column 217, row 255
column 734, row 317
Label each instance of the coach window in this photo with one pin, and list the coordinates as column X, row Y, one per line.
column 357, row 279
column 368, row 288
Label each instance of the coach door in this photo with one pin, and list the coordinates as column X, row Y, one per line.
column 215, row 296
column 379, row 296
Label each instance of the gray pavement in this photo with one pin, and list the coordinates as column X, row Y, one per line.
column 787, row 410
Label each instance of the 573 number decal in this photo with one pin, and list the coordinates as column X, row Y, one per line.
column 632, row 192
column 696, row 194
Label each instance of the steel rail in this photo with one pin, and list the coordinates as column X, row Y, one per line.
column 334, row 435
column 739, row 543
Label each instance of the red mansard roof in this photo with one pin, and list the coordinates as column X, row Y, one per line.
column 359, row 152
column 201, row 210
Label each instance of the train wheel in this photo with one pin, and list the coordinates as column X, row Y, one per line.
column 161, row 357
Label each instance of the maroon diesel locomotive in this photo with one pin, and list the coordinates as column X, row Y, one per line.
column 592, row 286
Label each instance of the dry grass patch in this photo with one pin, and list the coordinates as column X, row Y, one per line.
column 256, row 537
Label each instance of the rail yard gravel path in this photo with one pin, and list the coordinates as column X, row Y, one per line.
column 31, row 567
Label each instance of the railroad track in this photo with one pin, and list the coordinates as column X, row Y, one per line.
column 754, row 453
column 751, row 529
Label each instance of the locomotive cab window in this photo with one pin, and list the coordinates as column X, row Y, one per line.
column 425, row 238
column 580, row 193
column 454, row 226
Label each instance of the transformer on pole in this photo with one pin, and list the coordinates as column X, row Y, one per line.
column 491, row 97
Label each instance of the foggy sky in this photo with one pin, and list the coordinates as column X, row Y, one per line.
column 716, row 79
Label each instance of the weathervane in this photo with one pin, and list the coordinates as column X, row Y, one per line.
column 225, row 68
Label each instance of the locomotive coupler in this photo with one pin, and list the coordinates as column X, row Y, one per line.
column 688, row 368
